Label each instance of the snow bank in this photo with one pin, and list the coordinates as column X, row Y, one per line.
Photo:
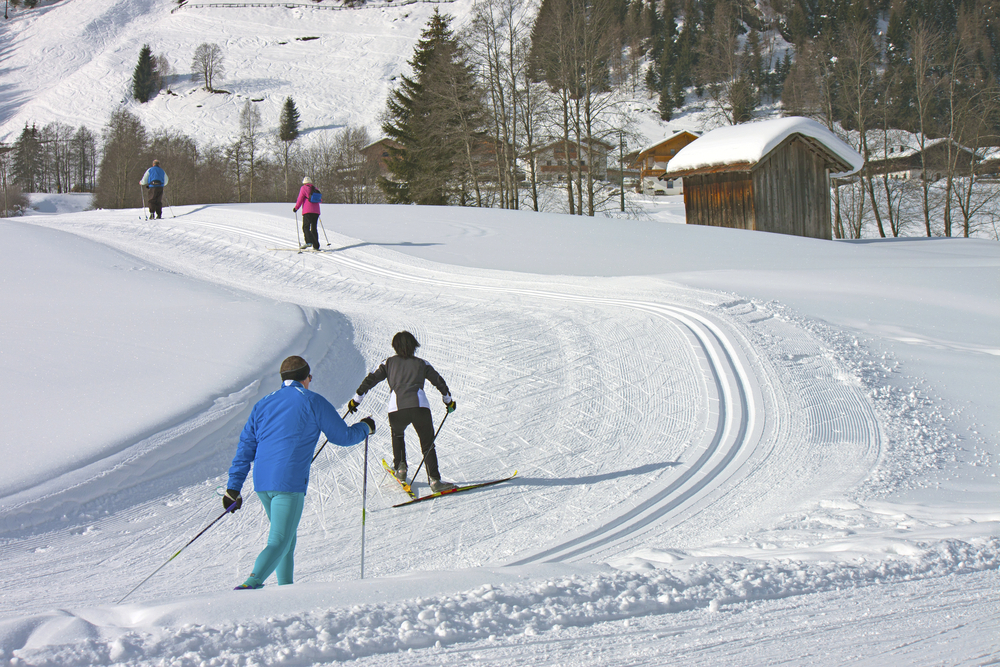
column 649, row 584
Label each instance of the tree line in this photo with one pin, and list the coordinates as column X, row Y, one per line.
column 260, row 163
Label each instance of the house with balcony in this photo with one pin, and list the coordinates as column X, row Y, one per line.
column 652, row 163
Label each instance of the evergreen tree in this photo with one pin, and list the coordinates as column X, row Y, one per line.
column 434, row 116
column 27, row 165
column 288, row 132
column 289, row 124
column 145, row 78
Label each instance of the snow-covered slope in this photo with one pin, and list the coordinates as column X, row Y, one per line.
column 723, row 478
column 71, row 61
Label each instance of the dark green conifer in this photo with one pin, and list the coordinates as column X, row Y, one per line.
column 145, row 82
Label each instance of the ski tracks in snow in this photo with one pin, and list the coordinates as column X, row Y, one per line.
column 777, row 422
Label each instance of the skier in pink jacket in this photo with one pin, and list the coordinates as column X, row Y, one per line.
column 310, row 213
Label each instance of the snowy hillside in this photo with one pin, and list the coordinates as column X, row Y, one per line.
column 72, row 62
column 732, row 447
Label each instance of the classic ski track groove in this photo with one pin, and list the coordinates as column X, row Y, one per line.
column 737, row 389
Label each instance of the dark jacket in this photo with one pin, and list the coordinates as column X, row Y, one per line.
column 406, row 376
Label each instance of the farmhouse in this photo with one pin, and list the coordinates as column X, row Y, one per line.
column 652, row 163
column 902, row 160
column 379, row 152
column 771, row 176
column 553, row 159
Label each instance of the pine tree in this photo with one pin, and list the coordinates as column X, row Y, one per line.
column 27, row 164
column 433, row 116
column 288, row 132
column 145, row 78
column 289, row 127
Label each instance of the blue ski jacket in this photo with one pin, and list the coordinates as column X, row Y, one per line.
column 280, row 437
column 154, row 177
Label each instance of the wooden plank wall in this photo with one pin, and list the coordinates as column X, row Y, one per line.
column 792, row 192
column 722, row 199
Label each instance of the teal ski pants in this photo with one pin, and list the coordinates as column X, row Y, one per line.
column 284, row 510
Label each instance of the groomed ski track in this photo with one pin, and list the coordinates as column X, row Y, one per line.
column 734, row 391
column 720, row 411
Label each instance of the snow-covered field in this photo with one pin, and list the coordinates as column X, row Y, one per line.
column 732, row 447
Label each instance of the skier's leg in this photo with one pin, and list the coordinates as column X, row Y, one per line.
column 284, row 510
column 306, row 235
column 314, row 231
column 397, row 426
column 423, row 424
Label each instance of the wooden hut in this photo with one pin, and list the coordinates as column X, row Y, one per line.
column 771, row 176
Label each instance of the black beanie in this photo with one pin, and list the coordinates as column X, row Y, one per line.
column 294, row 368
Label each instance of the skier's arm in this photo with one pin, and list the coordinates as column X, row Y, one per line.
column 373, row 378
column 436, row 380
column 333, row 425
column 145, row 178
column 246, row 452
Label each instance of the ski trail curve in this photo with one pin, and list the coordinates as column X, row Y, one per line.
column 732, row 387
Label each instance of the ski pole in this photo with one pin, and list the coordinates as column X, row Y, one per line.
column 324, row 231
column 228, row 511
column 142, row 204
column 171, row 207
column 429, row 449
column 326, row 440
column 364, row 499
column 297, row 241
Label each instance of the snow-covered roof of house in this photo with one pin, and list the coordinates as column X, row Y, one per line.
column 749, row 143
column 665, row 140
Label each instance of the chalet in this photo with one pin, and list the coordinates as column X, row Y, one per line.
column 379, row 152
column 552, row 159
column 903, row 160
column 771, row 176
column 652, row 163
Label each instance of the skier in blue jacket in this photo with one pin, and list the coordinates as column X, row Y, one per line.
column 279, row 439
column 154, row 181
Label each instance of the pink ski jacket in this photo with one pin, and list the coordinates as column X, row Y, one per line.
column 303, row 200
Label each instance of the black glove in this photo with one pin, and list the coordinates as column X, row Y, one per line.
column 352, row 406
column 371, row 424
column 232, row 498
column 450, row 406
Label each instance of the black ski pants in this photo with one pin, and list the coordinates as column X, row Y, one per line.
column 309, row 221
column 423, row 424
column 155, row 202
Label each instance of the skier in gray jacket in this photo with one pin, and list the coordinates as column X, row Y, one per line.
column 408, row 404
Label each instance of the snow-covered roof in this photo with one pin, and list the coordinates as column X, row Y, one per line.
column 749, row 143
column 665, row 140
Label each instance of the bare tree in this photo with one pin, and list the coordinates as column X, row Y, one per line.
column 925, row 51
column 497, row 45
column 724, row 68
column 207, row 65
column 252, row 139
column 858, row 85
column 124, row 160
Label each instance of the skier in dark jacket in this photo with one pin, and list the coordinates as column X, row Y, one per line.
column 154, row 181
column 279, row 439
column 408, row 404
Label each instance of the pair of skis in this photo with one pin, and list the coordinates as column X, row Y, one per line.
column 458, row 489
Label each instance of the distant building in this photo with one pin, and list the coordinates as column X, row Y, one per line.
column 379, row 152
column 771, row 176
column 652, row 163
column 903, row 161
column 552, row 159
